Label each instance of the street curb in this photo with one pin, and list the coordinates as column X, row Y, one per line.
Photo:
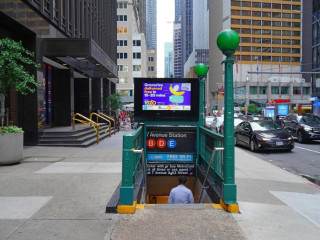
column 311, row 179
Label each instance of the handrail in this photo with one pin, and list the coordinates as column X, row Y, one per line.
column 87, row 122
column 98, row 116
column 112, row 119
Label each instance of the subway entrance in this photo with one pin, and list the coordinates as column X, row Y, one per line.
column 170, row 142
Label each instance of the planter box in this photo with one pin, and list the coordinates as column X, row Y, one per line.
column 11, row 148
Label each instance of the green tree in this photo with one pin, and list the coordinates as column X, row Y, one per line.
column 252, row 108
column 114, row 102
column 13, row 60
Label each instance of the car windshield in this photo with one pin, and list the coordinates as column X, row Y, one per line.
column 310, row 119
column 264, row 126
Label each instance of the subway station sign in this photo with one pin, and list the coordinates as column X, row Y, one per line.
column 170, row 146
column 160, row 141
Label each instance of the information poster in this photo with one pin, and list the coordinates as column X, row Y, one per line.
column 171, row 169
column 166, row 96
column 270, row 111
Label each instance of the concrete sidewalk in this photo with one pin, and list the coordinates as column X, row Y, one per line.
column 61, row 193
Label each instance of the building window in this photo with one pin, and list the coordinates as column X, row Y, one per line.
column 123, row 68
column 122, row 30
column 122, row 55
column 122, row 18
column 241, row 90
column 306, row 91
column 122, row 4
column 136, row 55
column 122, row 43
column 297, row 90
column 123, row 92
column 253, row 90
column 122, row 80
column 150, row 59
column 263, row 90
column 136, row 43
column 150, row 69
column 274, row 90
column 137, row 68
column 284, row 90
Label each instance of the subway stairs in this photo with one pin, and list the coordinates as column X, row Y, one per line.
column 82, row 136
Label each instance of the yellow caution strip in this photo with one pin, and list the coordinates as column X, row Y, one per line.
column 215, row 206
column 233, row 207
column 127, row 208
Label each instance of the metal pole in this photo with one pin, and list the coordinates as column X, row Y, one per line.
column 144, row 171
column 208, row 169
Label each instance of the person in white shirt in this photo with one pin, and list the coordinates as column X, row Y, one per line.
column 181, row 194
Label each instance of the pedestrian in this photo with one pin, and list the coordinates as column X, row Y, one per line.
column 279, row 122
column 181, row 194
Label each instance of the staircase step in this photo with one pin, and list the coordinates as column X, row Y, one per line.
column 73, row 138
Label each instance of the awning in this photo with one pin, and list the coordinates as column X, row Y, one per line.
column 239, row 101
column 259, row 101
column 81, row 53
column 279, row 101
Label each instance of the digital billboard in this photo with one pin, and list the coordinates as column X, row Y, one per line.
column 166, row 99
column 166, row 96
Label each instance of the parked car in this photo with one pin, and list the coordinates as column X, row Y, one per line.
column 237, row 121
column 208, row 121
column 216, row 123
column 263, row 135
column 255, row 117
column 304, row 128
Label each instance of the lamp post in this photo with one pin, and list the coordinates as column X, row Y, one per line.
column 201, row 71
column 228, row 41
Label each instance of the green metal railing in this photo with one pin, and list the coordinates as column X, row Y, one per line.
column 219, row 170
column 131, row 165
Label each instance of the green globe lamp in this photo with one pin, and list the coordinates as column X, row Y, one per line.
column 228, row 41
column 201, row 70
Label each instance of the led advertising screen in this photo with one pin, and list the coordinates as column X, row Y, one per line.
column 166, row 96
column 166, row 99
column 283, row 110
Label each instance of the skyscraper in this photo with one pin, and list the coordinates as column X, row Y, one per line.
column 131, row 48
column 270, row 41
column 151, row 24
column 177, row 10
column 177, row 56
column 168, row 57
column 186, row 29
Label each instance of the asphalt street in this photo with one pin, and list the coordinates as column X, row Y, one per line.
column 304, row 159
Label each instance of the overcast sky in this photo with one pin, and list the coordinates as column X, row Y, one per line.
column 165, row 18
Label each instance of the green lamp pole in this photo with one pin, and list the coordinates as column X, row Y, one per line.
column 228, row 41
column 201, row 71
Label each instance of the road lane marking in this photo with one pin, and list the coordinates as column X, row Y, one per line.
column 307, row 149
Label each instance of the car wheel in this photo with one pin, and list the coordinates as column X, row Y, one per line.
column 253, row 146
column 300, row 137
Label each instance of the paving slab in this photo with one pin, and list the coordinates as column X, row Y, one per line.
column 267, row 221
column 63, row 230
